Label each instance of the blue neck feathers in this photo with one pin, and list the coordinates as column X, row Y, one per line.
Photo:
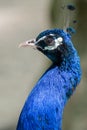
column 44, row 106
column 43, row 109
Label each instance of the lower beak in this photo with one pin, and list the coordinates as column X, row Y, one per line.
column 28, row 43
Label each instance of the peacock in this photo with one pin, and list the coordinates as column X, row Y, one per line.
column 43, row 109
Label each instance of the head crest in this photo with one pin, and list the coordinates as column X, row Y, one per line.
column 68, row 17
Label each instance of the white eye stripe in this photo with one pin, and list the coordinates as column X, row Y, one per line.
column 42, row 38
column 51, row 34
column 59, row 39
column 57, row 42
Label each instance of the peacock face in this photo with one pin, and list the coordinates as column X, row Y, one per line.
column 53, row 43
column 49, row 42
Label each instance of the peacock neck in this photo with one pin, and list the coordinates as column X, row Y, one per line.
column 70, row 71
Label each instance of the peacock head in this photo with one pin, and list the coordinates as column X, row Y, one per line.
column 55, row 44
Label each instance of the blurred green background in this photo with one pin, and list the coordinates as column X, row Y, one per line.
column 21, row 68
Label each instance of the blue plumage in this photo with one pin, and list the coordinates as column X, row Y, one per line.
column 43, row 109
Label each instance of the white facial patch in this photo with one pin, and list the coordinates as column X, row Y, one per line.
column 58, row 42
column 42, row 38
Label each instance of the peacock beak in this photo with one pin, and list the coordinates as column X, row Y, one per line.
column 28, row 43
column 32, row 43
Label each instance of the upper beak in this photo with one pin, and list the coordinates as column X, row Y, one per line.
column 28, row 43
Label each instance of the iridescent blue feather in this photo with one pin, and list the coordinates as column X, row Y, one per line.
column 43, row 109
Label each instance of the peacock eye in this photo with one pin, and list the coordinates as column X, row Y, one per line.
column 49, row 40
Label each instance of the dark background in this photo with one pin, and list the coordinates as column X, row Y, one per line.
column 21, row 68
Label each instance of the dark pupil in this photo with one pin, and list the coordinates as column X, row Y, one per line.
column 49, row 40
